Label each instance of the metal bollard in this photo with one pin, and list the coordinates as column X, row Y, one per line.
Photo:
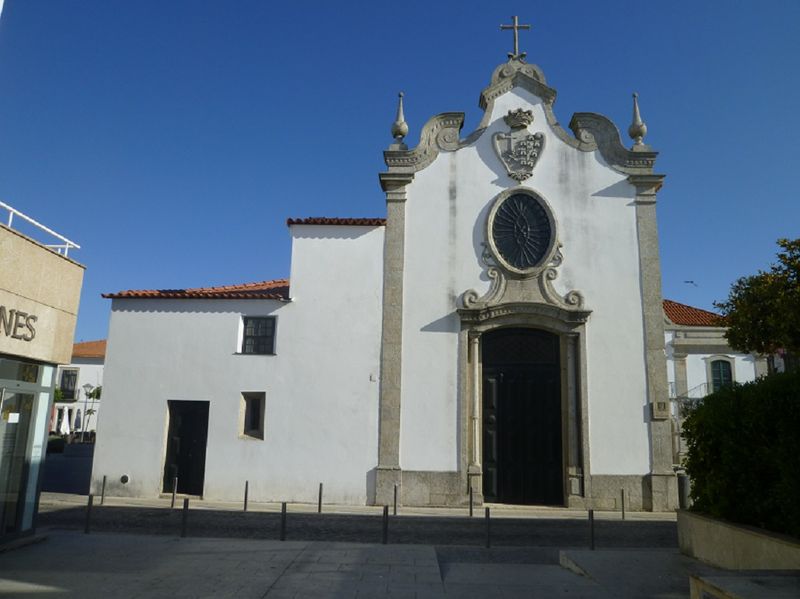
column 246, row 489
column 185, row 516
column 174, row 491
column 591, row 530
column 395, row 501
column 283, row 521
column 622, row 496
column 488, row 529
column 319, row 500
column 103, row 491
column 470, row 501
column 87, row 526
column 385, row 536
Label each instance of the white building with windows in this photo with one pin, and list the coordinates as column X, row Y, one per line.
column 79, row 383
column 700, row 361
column 501, row 330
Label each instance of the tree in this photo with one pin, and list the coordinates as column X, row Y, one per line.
column 762, row 312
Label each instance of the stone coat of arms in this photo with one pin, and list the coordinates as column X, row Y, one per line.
column 518, row 149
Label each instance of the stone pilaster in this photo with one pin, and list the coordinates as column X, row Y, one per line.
column 475, row 418
column 574, row 419
column 663, row 484
column 388, row 473
column 681, row 378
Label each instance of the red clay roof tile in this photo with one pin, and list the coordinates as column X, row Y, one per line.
column 682, row 314
column 324, row 220
column 277, row 290
column 89, row 349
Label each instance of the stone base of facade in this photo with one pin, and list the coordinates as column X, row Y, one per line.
column 438, row 489
column 385, row 481
column 643, row 493
column 648, row 492
column 663, row 492
column 607, row 490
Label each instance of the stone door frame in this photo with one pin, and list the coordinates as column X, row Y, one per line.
column 571, row 333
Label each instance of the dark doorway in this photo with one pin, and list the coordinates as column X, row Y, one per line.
column 522, row 417
column 186, row 446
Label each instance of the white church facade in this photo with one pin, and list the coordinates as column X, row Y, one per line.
column 500, row 330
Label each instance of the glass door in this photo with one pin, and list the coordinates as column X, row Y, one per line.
column 16, row 416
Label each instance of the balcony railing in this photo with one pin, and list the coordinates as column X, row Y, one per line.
column 62, row 248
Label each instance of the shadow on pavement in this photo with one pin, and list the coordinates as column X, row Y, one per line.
column 517, row 532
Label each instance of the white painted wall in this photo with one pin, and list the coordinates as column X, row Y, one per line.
column 445, row 224
column 321, row 386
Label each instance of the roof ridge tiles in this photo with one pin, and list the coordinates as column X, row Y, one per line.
column 256, row 290
column 335, row 220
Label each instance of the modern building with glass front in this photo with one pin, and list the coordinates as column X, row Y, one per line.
column 39, row 294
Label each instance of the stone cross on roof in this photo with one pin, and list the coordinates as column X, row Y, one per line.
column 516, row 27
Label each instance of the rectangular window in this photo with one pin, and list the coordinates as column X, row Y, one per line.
column 259, row 335
column 68, row 380
column 19, row 371
column 253, row 405
column 721, row 375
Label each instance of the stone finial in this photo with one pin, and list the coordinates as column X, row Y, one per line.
column 399, row 127
column 638, row 129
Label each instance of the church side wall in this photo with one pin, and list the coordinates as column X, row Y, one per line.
column 321, row 385
column 595, row 217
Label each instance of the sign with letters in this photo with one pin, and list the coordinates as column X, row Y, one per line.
column 17, row 324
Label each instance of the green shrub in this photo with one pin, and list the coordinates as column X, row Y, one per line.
column 744, row 453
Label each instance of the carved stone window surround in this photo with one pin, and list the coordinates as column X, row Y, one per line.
column 498, row 203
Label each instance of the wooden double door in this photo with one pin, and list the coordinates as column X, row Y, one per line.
column 522, row 421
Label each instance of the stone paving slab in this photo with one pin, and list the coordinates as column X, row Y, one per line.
column 747, row 587
column 72, row 564
column 631, row 573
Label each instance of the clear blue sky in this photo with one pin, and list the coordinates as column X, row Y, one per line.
column 173, row 139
